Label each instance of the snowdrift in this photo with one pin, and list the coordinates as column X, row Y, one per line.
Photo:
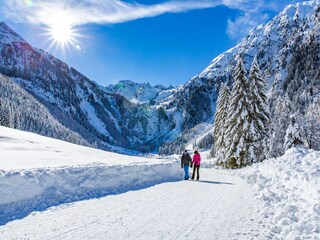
column 38, row 172
column 287, row 189
column 33, row 190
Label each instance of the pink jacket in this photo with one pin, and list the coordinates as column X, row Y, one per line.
column 196, row 159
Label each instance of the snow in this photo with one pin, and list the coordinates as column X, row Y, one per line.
column 50, row 189
column 164, row 95
column 43, row 180
column 93, row 118
column 38, row 172
column 270, row 38
column 176, row 210
column 45, row 95
column 199, row 132
column 7, row 36
column 24, row 150
column 138, row 92
column 288, row 189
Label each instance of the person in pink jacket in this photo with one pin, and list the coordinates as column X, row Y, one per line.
column 196, row 164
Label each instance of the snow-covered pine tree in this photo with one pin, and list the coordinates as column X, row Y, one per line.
column 293, row 134
column 281, row 112
column 311, row 125
column 205, row 142
column 261, row 114
column 219, row 146
column 2, row 114
column 240, row 148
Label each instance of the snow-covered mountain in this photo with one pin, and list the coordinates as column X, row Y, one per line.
column 103, row 119
column 140, row 116
column 138, row 92
column 287, row 49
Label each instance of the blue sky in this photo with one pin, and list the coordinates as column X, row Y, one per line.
column 156, row 41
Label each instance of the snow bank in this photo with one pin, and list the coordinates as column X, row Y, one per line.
column 28, row 190
column 289, row 194
column 37, row 172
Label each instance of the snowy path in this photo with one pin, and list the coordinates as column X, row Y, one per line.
column 217, row 207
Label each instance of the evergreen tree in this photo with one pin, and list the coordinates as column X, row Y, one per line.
column 218, row 149
column 311, row 125
column 2, row 114
column 205, row 142
column 281, row 112
column 261, row 114
column 5, row 113
column 240, row 147
column 293, row 135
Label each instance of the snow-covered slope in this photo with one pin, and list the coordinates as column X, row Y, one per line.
column 137, row 92
column 38, row 172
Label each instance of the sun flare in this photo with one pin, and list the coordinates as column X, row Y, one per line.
column 62, row 34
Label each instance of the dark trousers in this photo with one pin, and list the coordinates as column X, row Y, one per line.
column 196, row 167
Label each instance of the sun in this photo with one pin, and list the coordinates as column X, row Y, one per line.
column 62, row 34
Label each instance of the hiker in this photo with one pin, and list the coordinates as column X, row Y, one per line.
column 196, row 164
column 185, row 162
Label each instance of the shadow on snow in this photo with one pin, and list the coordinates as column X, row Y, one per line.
column 15, row 211
column 213, row 182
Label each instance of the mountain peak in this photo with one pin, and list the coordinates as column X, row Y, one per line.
column 300, row 9
column 137, row 92
column 3, row 25
column 7, row 35
column 266, row 35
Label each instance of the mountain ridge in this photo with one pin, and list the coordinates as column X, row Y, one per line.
column 144, row 122
column 77, row 102
column 137, row 92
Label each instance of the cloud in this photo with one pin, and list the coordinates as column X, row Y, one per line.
column 249, row 18
column 253, row 13
column 78, row 12
column 243, row 24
